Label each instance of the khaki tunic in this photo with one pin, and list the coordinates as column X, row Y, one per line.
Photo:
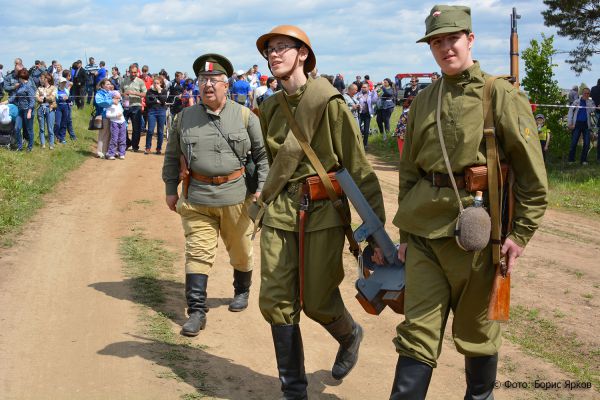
column 439, row 275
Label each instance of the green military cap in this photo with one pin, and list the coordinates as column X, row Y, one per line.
column 212, row 64
column 446, row 19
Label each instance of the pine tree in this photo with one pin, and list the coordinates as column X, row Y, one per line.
column 578, row 20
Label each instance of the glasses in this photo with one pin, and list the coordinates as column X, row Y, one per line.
column 279, row 49
column 213, row 81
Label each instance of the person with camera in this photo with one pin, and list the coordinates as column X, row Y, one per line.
column 156, row 98
column 444, row 140
column 46, row 113
column 301, row 256
column 210, row 147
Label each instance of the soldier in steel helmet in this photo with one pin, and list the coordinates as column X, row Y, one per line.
column 440, row 276
column 217, row 139
column 287, row 285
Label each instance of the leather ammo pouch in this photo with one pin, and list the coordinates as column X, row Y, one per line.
column 476, row 177
column 315, row 189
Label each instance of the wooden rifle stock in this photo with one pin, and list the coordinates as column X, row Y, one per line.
column 499, row 305
column 184, row 176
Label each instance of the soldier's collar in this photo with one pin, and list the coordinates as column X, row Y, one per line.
column 466, row 76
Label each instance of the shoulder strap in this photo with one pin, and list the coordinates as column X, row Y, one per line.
column 316, row 163
column 246, row 116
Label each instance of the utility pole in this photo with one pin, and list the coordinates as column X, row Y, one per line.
column 514, row 47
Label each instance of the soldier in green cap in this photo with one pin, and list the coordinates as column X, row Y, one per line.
column 217, row 139
column 440, row 276
column 301, row 262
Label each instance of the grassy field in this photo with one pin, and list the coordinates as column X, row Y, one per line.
column 571, row 187
column 26, row 177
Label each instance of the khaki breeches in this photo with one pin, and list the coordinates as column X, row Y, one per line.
column 323, row 272
column 441, row 277
column 202, row 226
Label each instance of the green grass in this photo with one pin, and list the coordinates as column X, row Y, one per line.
column 148, row 263
column 26, row 177
column 574, row 187
column 571, row 187
column 540, row 337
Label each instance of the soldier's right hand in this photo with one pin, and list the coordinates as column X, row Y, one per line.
column 171, row 201
column 402, row 252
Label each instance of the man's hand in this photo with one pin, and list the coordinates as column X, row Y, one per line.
column 511, row 251
column 255, row 197
column 29, row 113
column 402, row 252
column 171, row 201
column 571, row 127
column 377, row 256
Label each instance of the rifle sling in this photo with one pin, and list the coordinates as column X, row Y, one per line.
column 493, row 162
column 316, row 163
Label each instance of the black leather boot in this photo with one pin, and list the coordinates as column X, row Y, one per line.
column 481, row 377
column 241, row 286
column 289, row 353
column 349, row 334
column 195, row 293
column 412, row 379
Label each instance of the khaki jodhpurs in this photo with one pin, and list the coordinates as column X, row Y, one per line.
column 280, row 283
column 441, row 277
column 202, row 226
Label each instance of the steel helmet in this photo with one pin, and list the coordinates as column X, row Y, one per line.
column 295, row 33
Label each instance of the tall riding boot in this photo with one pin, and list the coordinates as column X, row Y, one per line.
column 481, row 376
column 289, row 353
column 195, row 293
column 349, row 334
column 412, row 379
column 241, row 285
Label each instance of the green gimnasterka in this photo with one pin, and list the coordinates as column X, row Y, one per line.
column 196, row 126
column 430, row 212
column 336, row 142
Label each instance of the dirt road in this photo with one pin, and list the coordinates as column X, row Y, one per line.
column 70, row 326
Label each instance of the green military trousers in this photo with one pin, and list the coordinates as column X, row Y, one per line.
column 279, row 298
column 441, row 277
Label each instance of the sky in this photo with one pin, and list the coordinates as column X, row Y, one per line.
column 375, row 37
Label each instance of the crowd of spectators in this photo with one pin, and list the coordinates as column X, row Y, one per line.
column 149, row 101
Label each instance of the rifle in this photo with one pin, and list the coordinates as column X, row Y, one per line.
column 378, row 286
column 514, row 47
column 499, row 305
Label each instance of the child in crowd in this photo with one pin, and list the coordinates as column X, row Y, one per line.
column 63, row 121
column 118, row 128
column 543, row 133
column 403, row 123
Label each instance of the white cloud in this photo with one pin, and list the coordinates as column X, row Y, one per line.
column 352, row 38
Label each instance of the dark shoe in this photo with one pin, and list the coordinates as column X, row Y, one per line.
column 349, row 334
column 481, row 377
column 412, row 379
column 289, row 353
column 158, row 152
column 241, row 285
column 147, row 151
column 195, row 294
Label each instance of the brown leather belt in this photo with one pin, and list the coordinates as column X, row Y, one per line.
column 218, row 180
column 438, row 179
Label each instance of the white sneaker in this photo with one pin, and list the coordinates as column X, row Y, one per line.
column 111, row 157
column 51, row 147
column 121, row 157
column 100, row 154
column 584, row 163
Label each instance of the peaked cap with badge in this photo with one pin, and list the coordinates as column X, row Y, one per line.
column 446, row 19
column 212, row 64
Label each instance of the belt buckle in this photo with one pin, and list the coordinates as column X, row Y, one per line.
column 292, row 188
column 433, row 175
